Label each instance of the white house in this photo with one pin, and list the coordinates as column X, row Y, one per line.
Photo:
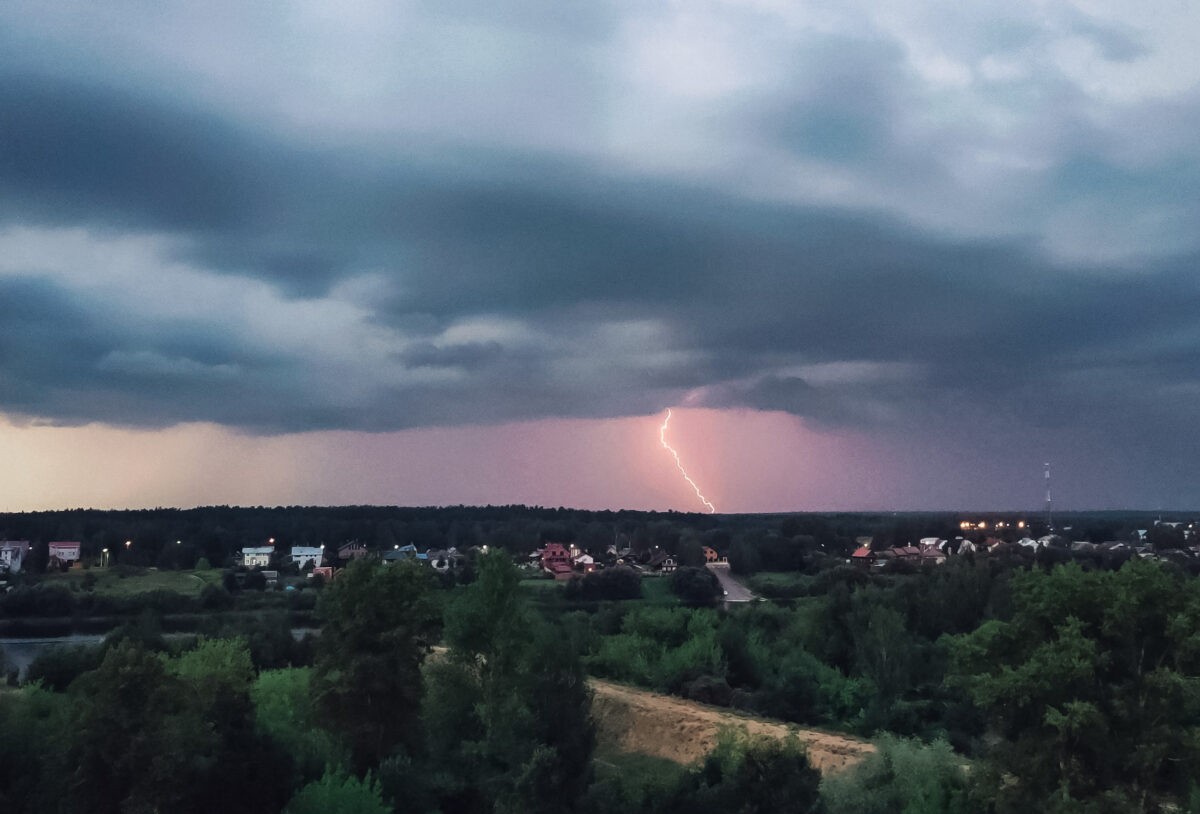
column 302, row 555
column 64, row 552
column 257, row 556
column 12, row 554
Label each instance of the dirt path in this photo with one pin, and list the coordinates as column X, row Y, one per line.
column 635, row 720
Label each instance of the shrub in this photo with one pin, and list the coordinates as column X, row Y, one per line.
column 696, row 586
column 903, row 775
column 339, row 793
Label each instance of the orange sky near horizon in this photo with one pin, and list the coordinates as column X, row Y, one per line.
column 743, row 460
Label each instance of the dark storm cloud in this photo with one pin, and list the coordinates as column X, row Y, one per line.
column 528, row 255
column 77, row 152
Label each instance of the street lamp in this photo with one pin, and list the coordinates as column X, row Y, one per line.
column 104, row 558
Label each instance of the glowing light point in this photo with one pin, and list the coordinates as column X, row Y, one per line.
column 662, row 438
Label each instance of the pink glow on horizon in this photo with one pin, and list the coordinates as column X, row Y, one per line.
column 747, row 460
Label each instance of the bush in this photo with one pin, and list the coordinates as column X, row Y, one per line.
column 57, row 667
column 53, row 600
column 903, row 775
column 751, row 776
column 339, row 793
column 696, row 586
column 215, row 597
column 611, row 583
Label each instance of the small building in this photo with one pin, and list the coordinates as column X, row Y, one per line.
column 326, row 572
column 13, row 554
column 933, row 555
column 353, row 550
column 662, row 562
column 257, row 556
column 556, row 559
column 63, row 554
column 306, row 555
column 711, row 555
column 863, row 556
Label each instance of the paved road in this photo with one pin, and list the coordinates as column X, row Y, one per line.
column 734, row 590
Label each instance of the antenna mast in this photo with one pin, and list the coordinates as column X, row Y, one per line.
column 1049, row 512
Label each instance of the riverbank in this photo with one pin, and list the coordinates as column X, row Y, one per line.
column 60, row 626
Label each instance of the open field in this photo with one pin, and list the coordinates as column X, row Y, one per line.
column 109, row 582
column 635, row 720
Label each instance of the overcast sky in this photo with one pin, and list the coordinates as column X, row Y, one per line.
column 883, row 255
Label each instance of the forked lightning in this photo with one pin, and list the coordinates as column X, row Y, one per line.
column 662, row 437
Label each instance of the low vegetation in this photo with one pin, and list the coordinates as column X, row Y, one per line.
column 1004, row 683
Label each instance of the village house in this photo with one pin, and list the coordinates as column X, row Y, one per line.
column 257, row 556
column 863, row 556
column 933, row 555
column 63, row 554
column 711, row 555
column 307, row 555
column 12, row 554
column 662, row 562
column 556, row 560
column 353, row 550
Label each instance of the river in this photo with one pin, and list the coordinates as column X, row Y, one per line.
column 19, row 652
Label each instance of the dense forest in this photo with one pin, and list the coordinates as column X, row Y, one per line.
column 1002, row 681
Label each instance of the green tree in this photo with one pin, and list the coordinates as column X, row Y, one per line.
column 696, row 586
column 284, row 712
column 1093, row 687
column 510, row 703
column 339, row 793
column 904, row 776
column 750, row 776
column 380, row 622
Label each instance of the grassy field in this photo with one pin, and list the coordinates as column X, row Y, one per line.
column 540, row 584
column 657, row 591
column 110, row 583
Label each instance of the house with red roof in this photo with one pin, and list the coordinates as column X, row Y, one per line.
column 556, row 560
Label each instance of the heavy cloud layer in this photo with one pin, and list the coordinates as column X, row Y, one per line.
column 923, row 221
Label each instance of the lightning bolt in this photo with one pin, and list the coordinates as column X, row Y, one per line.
column 662, row 438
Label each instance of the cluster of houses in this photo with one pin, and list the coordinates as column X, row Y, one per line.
column 563, row 561
column 935, row 550
column 13, row 553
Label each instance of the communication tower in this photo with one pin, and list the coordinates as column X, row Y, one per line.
column 1049, row 512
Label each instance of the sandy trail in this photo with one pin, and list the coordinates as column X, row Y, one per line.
column 635, row 720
